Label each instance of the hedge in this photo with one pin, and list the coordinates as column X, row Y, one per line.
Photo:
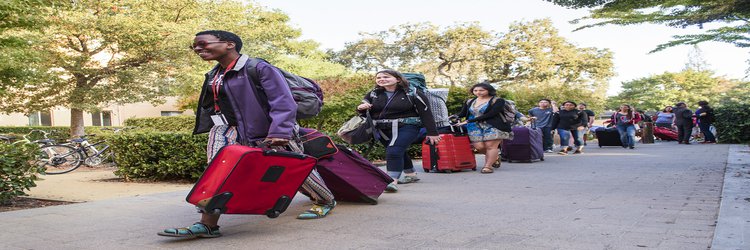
column 17, row 172
column 733, row 123
column 163, row 123
column 159, row 155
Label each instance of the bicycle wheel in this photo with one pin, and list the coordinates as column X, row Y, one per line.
column 59, row 159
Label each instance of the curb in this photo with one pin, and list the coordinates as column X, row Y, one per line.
column 733, row 224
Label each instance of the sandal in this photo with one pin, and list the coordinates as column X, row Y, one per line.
column 497, row 163
column 391, row 188
column 197, row 230
column 316, row 212
column 487, row 170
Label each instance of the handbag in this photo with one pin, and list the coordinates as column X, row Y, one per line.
column 317, row 144
column 357, row 130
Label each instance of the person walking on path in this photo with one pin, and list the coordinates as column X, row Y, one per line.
column 485, row 123
column 706, row 117
column 542, row 116
column 665, row 118
column 399, row 114
column 228, row 110
column 684, row 122
column 625, row 120
column 591, row 115
column 570, row 122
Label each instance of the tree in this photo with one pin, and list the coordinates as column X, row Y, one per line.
column 93, row 53
column 674, row 13
column 689, row 86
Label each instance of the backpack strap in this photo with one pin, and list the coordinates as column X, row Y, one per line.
column 260, row 92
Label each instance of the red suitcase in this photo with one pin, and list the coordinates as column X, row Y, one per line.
column 248, row 180
column 453, row 153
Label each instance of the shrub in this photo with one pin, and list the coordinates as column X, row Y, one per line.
column 163, row 123
column 159, row 155
column 733, row 123
column 17, row 171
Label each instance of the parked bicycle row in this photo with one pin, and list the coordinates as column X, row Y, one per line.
column 56, row 157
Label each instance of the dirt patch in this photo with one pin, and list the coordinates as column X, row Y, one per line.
column 20, row 203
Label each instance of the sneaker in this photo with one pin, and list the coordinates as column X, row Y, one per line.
column 197, row 230
column 632, row 147
column 317, row 211
column 391, row 188
column 408, row 179
column 548, row 151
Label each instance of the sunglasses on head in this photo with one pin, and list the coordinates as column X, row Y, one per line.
column 203, row 44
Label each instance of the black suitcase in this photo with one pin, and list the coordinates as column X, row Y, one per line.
column 608, row 137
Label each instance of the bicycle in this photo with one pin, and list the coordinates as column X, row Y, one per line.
column 63, row 158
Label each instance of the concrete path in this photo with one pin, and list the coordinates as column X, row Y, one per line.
column 658, row 196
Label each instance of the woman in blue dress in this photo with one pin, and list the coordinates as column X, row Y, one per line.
column 485, row 124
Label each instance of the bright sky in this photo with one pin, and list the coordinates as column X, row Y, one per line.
column 333, row 23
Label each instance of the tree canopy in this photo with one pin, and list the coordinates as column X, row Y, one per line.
column 689, row 86
column 529, row 57
column 733, row 14
column 86, row 54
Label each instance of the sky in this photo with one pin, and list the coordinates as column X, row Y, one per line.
column 333, row 23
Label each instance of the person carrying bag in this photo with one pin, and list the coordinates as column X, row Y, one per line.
column 397, row 120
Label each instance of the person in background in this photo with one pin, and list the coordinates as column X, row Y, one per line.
column 487, row 129
column 592, row 116
column 665, row 118
column 684, row 122
column 542, row 116
column 570, row 122
column 706, row 117
column 625, row 120
column 399, row 115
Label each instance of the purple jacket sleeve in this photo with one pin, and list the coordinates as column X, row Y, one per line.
column 282, row 107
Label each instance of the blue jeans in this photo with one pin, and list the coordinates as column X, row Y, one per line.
column 627, row 135
column 397, row 156
column 706, row 130
column 565, row 137
column 547, row 138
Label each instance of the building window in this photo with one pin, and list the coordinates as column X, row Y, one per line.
column 40, row 119
column 103, row 118
column 171, row 113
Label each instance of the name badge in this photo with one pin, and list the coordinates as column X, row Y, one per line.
column 219, row 120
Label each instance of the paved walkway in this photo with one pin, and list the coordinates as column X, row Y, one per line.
column 658, row 196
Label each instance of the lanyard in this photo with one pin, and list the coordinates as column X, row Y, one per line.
column 216, row 84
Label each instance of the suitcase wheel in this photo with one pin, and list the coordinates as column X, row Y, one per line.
column 273, row 214
column 426, row 170
column 541, row 159
column 474, row 169
column 447, row 171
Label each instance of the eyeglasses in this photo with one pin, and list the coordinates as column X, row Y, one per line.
column 203, row 44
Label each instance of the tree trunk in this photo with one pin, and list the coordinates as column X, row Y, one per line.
column 76, row 122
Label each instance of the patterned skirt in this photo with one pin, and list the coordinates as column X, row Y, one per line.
column 481, row 131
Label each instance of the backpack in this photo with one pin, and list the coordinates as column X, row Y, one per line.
column 307, row 93
column 508, row 114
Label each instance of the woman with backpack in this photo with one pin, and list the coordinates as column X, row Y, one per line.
column 399, row 113
column 706, row 117
column 486, row 124
column 625, row 120
column 570, row 121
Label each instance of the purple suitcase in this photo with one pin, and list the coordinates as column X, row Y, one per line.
column 351, row 177
column 526, row 145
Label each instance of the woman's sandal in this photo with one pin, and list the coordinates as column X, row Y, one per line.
column 195, row 231
column 487, row 170
column 317, row 212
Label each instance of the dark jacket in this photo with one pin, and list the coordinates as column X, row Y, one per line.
column 491, row 115
column 682, row 116
column 708, row 118
column 402, row 106
column 569, row 119
column 255, row 121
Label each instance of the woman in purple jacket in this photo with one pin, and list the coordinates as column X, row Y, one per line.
column 229, row 110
